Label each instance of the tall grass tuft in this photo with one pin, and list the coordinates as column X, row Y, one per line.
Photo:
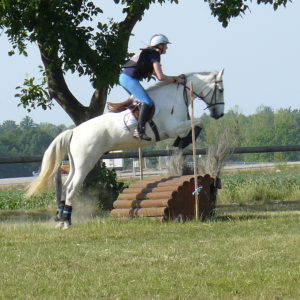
column 217, row 155
column 212, row 163
column 175, row 163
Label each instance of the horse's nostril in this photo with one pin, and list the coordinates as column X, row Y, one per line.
column 218, row 116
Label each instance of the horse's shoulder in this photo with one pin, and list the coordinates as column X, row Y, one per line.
column 119, row 107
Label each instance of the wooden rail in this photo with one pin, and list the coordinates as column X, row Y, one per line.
column 168, row 198
column 157, row 153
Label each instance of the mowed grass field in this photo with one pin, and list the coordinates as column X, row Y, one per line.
column 235, row 256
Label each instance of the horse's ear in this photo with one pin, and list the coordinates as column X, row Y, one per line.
column 220, row 74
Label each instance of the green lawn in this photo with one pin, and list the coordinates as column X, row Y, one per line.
column 236, row 256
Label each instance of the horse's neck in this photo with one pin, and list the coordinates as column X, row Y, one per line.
column 168, row 97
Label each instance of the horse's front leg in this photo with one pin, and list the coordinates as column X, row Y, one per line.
column 181, row 126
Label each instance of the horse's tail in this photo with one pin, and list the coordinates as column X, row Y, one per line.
column 51, row 162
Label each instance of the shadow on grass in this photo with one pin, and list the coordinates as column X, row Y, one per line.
column 236, row 217
column 42, row 215
column 261, row 207
column 33, row 215
column 253, row 211
column 224, row 213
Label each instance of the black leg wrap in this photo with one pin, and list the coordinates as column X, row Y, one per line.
column 67, row 212
column 59, row 213
column 178, row 142
column 187, row 140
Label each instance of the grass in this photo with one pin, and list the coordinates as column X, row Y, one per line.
column 12, row 198
column 260, row 187
column 236, row 256
column 249, row 251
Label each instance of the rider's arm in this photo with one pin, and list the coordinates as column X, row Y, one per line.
column 161, row 76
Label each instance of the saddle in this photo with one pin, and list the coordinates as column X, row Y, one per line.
column 134, row 106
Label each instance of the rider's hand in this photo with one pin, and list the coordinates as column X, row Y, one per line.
column 178, row 79
column 181, row 79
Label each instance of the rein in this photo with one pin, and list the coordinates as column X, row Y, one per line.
column 185, row 96
column 213, row 98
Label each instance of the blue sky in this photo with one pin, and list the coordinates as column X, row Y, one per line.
column 260, row 54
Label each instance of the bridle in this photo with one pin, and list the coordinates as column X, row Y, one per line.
column 213, row 97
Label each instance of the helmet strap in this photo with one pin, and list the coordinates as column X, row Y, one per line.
column 161, row 48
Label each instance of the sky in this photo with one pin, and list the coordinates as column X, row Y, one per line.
column 259, row 52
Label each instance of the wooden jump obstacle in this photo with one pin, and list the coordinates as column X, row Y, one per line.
column 168, row 198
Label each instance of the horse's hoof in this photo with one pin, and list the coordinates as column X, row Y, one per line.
column 59, row 225
column 66, row 225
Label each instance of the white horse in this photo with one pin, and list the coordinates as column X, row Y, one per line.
column 86, row 143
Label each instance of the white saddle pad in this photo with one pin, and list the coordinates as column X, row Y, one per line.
column 129, row 120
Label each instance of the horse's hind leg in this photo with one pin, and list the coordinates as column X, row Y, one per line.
column 61, row 207
column 71, row 190
column 63, row 189
column 81, row 163
column 79, row 173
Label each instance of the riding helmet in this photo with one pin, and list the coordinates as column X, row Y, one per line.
column 157, row 39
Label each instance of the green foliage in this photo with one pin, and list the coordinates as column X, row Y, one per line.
column 104, row 186
column 27, row 123
column 65, row 29
column 26, row 139
column 8, row 125
column 33, row 95
column 264, row 128
column 51, row 129
column 13, row 199
column 224, row 10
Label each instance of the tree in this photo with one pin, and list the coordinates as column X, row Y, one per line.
column 224, row 10
column 27, row 123
column 18, row 141
column 68, row 41
column 8, row 125
column 52, row 129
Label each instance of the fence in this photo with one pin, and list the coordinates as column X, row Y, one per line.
column 157, row 153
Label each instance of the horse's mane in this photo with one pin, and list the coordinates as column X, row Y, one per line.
column 163, row 83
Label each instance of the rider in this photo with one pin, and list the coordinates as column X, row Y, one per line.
column 141, row 66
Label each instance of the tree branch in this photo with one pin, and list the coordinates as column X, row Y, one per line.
column 98, row 102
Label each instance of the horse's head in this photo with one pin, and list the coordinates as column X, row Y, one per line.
column 211, row 91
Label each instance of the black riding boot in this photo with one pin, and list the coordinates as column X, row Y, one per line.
column 143, row 118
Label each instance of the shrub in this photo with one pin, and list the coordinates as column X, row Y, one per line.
column 103, row 186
